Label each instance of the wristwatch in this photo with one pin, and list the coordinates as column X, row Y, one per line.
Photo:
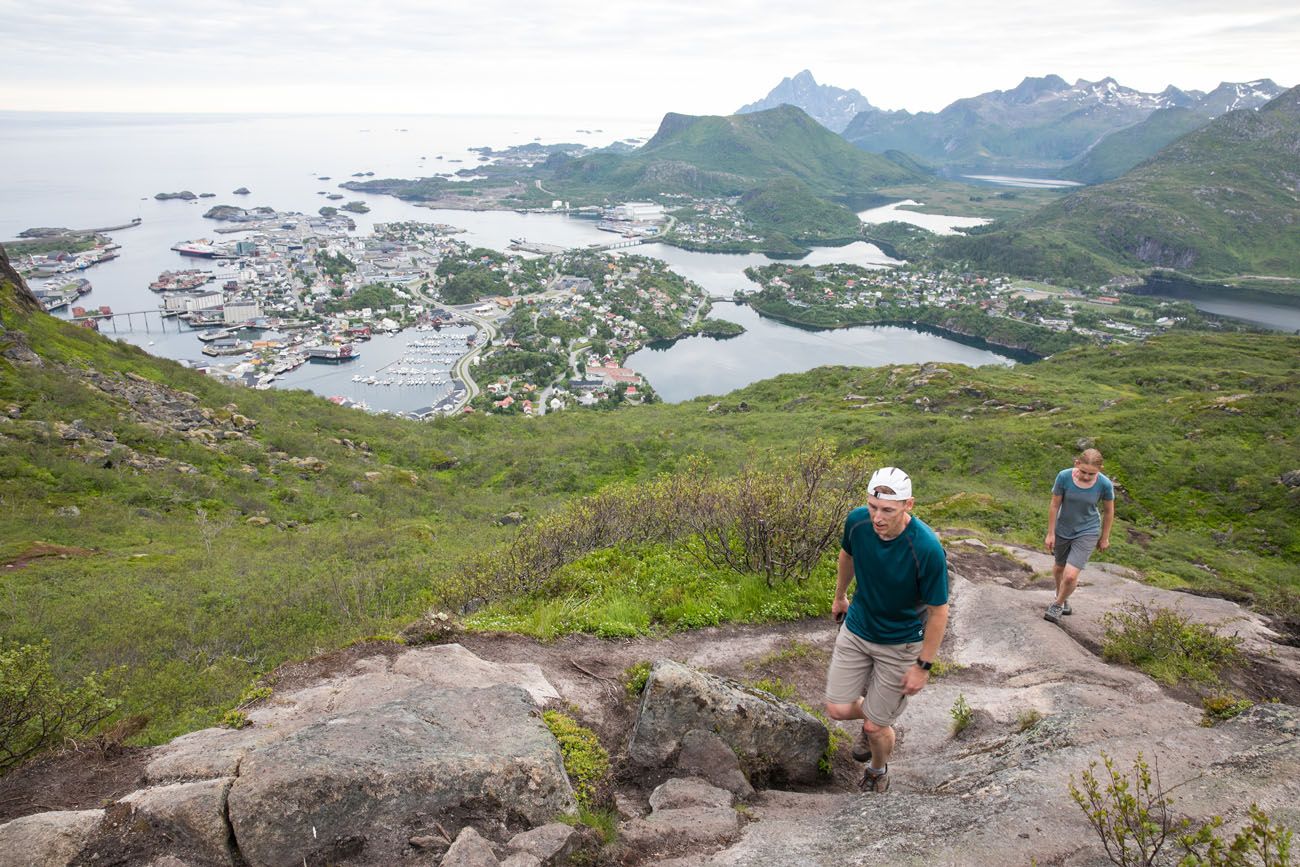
column 923, row 664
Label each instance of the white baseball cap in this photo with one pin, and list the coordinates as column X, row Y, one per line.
column 890, row 477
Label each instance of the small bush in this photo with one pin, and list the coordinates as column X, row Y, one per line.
column 585, row 760
column 776, row 686
column 1134, row 821
column 235, row 719
column 254, row 693
column 1223, row 707
column 36, row 711
column 961, row 713
column 1028, row 719
column 603, row 822
column 635, row 677
column 1166, row 645
column 944, row 668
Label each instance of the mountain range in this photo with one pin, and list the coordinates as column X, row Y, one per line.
column 1042, row 124
column 1220, row 202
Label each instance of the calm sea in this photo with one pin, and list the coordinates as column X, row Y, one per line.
column 93, row 170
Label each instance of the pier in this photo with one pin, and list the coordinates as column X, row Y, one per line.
column 146, row 317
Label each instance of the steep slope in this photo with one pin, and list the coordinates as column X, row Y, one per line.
column 1120, row 151
column 832, row 107
column 731, row 155
column 1220, row 202
column 1041, row 124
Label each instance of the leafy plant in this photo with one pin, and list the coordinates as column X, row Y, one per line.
column 1135, row 823
column 945, row 667
column 585, row 760
column 1223, row 707
column 635, row 677
column 235, row 719
column 36, row 710
column 1165, row 644
column 961, row 714
column 776, row 686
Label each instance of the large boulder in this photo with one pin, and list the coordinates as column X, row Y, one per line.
column 356, row 788
column 367, row 683
column 185, row 820
column 53, row 838
column 775, row 740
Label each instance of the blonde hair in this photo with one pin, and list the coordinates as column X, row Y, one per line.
column 1091, row 457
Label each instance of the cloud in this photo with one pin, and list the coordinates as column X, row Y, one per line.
column 557, row 56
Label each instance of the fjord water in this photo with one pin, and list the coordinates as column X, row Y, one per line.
column 94, row 170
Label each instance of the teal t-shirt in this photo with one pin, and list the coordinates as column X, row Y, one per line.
column 1079, row 515
column 895, row 579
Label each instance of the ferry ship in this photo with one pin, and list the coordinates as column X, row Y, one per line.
column 197, row 249
column 332, row 353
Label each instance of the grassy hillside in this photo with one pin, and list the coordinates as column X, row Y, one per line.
column 190, row 536
column 1120, row 151
column 1219, row 203
column 731, row 155
column 786, row 207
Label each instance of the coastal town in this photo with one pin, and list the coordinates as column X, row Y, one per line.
column 538, row 328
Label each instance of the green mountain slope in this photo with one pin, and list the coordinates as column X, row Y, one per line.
column 190, row 536
column 1220, row 202
column 731, row 155
column 1119, row 152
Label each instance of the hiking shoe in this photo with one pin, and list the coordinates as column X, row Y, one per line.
column 1054, row 613
column 878, row 783
column 861, row 748
column 1066, row 609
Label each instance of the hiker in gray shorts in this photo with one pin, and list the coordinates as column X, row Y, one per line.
column 893, row 627
column 1083, row 508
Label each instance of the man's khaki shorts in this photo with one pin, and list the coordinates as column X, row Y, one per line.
column 874, row 671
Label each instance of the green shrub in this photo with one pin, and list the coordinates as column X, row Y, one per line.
column 961, row 714
column 604, row 822
column 1223, row 707
column 235, row 719
column 635, row 677
column 254, row 693
column 1168, row 646
column 776, row 686
column 36, row 711
column 944, row 667
column 585, row 760
column 1134, row 820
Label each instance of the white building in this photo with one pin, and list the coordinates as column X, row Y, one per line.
column 638, row 212
column 242, row 311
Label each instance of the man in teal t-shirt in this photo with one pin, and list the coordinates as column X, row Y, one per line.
column 893, row 627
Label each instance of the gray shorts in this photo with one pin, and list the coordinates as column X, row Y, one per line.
column 1074, row 552
column 873, row 671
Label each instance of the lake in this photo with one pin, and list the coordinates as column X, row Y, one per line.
column 698, row 366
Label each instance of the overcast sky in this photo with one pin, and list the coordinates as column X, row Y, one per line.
column 611, row 58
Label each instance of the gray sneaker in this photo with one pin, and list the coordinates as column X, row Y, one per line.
column 1054, row 613
column 1066, row 609
column 861, row 748
column 878, row 783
